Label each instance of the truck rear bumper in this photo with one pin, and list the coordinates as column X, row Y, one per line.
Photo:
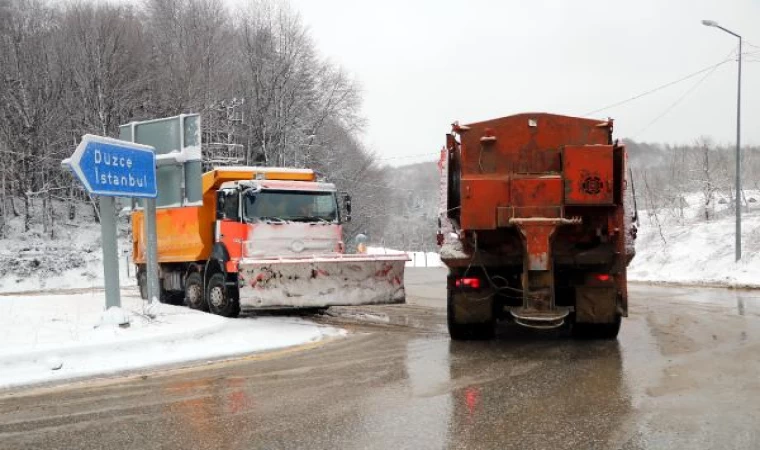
column 541, row 319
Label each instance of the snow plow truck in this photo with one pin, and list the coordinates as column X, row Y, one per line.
column 263, row 238
column 536, row 225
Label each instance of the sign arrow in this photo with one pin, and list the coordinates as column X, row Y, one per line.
column 115, row 168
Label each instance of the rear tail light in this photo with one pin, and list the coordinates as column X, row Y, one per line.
column 603, row 277
column 471, row 283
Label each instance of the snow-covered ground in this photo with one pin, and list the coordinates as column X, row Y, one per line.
column 47, row 338
column 692, row 250
column 70, row 258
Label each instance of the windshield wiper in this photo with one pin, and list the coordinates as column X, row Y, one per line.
column 272, row 219
column 314, row 219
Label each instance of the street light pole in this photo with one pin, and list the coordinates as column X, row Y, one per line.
column 738, row 204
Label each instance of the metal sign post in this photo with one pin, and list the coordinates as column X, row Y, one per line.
column 110, row 256
column 177, row 144
column 151, row 253
column 113, row 168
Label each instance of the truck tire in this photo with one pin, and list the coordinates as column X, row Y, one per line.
column 170, row 297
column 600, row 331
column 194, row 292
column 142, row 283
column 218, row 299
column 467, row 331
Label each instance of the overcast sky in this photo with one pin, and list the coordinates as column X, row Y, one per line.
column 425, row 63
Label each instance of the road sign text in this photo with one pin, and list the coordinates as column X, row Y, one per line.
column 115, row 168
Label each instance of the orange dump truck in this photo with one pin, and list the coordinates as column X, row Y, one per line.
column 263, row 238
column 535, row 225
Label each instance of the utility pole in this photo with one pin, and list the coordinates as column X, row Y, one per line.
column 738, row 202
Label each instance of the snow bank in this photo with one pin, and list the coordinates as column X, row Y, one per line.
column 418, row 259
column 694, row 251
column 49, row 338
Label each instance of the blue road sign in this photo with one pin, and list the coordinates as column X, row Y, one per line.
column 115, row 168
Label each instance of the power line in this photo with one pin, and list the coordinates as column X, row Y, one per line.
column 678, row 100
column 710, row 70
column 658, row 88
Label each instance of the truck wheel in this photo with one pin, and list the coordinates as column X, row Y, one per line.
column 170, row 297
column 602, row 331
column 218, row 299
column 167, row 297
column 142, row 283
column 194, row 298
column 467, row 331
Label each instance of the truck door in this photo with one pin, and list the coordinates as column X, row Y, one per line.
column 230, row 229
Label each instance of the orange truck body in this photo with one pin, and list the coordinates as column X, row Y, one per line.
column 534, row 209
column 187, row 232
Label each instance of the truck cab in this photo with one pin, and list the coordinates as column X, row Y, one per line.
column 277, row 218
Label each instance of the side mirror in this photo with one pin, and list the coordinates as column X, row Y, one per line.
column 347, row 206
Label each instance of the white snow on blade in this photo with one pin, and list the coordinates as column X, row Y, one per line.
column 315, row 283
column 417, row 259
column 694, row 251
column 49, row 338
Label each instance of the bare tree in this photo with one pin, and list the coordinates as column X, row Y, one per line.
column 30, row 96
column 707, row 186
column 255, row 77
column 290, row 94
column 103, row 46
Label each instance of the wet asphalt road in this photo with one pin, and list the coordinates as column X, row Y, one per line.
column 684, row 373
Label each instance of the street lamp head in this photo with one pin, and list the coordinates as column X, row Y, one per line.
column 709, row 23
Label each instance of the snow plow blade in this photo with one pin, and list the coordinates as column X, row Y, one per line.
column 321, row 281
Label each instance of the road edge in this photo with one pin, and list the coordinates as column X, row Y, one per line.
column 47, row 387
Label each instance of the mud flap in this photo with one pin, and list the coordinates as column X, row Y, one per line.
column 472, row 307
column 595, row 304
column 322, row 281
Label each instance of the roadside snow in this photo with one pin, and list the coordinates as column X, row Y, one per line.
column 48, row 338
column 691, row 250
column 697, row 252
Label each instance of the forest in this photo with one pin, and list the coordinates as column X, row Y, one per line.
column 264, row 93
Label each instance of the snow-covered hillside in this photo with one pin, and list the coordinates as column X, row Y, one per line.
column 68, row 257
column 686, row 248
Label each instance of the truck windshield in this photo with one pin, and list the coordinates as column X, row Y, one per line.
column 298, row 206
